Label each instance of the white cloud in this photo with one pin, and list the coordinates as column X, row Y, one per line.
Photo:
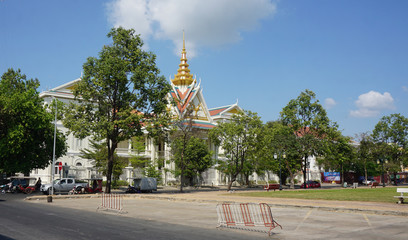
column 405, row 88
column 372, row 103
column 211, row 23
column 130, row 14
column 329, row 103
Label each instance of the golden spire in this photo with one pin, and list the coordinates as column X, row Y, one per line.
column 183, row 76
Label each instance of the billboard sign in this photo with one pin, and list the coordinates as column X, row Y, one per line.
column 331, row 176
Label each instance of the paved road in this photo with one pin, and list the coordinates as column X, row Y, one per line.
column 24, row 220
column 197, row 211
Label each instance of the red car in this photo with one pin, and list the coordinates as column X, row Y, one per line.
column 311, row 184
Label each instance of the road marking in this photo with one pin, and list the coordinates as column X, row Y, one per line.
column 304, row 219
column 368, row 221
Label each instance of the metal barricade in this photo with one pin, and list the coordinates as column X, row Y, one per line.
column 112, row 201
column 247, row 216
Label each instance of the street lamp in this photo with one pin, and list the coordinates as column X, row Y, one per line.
column 53, row 149
column 382, row 161
column 280, row 169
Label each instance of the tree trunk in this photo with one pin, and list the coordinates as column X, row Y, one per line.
column 111, row 155
column 109, row 173
column 233, row 179
column 247, row 179
column 365, row 170
column 292, row 180
column 230, row 185
column 181, row 180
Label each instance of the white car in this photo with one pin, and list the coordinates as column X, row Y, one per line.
column 369, row 181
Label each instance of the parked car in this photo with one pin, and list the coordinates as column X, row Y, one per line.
column 369, row 181
column 311, row 184
column 63, row 185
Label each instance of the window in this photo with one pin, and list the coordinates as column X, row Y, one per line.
column 78, row 164
column 70, row 181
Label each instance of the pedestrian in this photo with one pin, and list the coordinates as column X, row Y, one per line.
column 38, row 184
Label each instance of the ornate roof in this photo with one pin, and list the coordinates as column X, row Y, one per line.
column 187, row 93
column 183, row 76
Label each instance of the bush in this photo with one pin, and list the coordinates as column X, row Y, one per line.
column 261, row 182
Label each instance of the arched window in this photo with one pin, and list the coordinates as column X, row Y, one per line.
column 78, row 164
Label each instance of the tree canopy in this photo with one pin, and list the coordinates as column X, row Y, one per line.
column 392, row 129
column 120, row 93
column 390, row 136
column 191, row 154
column 238, row 138
column 309, row 122
column 26, row 127
column 278, row 139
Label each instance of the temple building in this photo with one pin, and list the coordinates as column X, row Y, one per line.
column 186, row 93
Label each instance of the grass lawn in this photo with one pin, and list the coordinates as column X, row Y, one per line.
column 378, row 194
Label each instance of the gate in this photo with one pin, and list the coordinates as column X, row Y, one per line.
column 246, row 216
column 112, row 201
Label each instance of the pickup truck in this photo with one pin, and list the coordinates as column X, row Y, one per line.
column 63, row 185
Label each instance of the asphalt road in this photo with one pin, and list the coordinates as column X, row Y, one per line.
column 24, row 220
column 178, row 219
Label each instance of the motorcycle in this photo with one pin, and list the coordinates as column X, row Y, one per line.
column 26, row 190
column 96, row 187
column 4, row 188
column 18, row 184
column 132, row 189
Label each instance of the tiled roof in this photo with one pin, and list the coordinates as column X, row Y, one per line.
column 216, row 111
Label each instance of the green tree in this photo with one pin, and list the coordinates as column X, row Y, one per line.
column 26, row 127
column 99, row 157
column 279, row 139
column 365, row 150
column 391, row 134
column 392, row 129
column 149, row 168
column 137, row 160
column 120, row 93
column 191, row 154
column 339, row 153
column 199, row 158
column 238, row 138
column 309, row 122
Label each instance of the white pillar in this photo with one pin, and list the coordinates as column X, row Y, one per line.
column 129, row 174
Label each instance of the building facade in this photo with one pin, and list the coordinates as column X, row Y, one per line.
column 186, row 92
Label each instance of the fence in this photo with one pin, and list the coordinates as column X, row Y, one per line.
column 247, row 216
column 112, row 201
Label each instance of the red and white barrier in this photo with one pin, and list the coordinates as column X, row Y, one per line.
column 112, row 201
column 247, row 216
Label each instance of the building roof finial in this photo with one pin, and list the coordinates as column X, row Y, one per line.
column 183, row 76
column 184, row 43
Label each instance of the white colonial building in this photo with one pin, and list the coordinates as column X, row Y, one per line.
column 187, row 93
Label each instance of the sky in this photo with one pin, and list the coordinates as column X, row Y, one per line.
column 352, row 54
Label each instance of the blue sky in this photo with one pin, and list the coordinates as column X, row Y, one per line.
column 352, row 54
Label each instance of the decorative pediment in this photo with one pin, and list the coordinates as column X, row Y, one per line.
column 62, row 91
